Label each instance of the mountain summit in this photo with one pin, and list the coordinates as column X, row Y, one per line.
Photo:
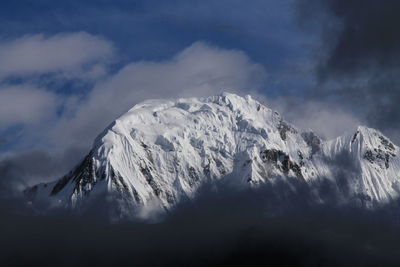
column 162, row 151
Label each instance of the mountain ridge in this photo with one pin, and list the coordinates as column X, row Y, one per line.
column 162, row 151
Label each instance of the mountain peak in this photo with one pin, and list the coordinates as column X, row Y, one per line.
column 372, row 137
column 367, row 130
column 161, row 151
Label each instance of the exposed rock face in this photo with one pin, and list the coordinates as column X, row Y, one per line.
column 382, row 154
column 83, row 177
column 313, row 141
column 284, row 128
column 281, row 161
column 162, row 151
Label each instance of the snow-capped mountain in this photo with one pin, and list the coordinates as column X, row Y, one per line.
column 162, row 151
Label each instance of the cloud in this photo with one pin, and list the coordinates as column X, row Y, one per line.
column 262, row 228
column 359, row 58
column 65, row 52
column 199, row 70
column 21, row 169
column 25, row 105
column 328, row 120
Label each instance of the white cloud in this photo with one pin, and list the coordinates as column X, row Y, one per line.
column 66, row 52
column 326, row 119
column 199, row 70
column 25, row 105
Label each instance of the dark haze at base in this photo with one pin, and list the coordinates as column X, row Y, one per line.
column 221, row 226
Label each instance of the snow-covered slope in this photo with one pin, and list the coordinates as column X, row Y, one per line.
column 162, row 151
column 371, row 162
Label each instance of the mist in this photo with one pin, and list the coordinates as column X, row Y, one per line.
column 221, row 226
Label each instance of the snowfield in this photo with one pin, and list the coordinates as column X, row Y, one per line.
column 162, row 151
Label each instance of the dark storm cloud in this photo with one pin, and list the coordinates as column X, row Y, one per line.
column 26, row 168
column 359, row 61
column 221, row 227
column 275, row 224
column 368, row 36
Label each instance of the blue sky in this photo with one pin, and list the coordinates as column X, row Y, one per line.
column 154, row 30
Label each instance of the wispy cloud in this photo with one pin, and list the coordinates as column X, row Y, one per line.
column 359, row 57
column 65, row 52
column 25, row 105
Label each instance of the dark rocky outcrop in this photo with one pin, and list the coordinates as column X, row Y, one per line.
column 82, row 175
column 313, row 141
column 284, row 128
column 281, row 161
